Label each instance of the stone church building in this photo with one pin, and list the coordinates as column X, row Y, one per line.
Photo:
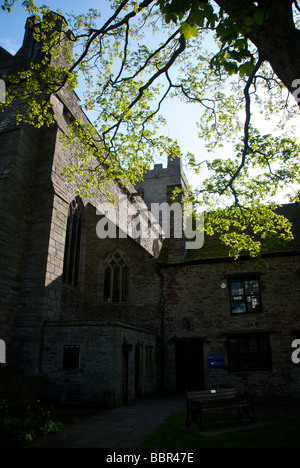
column 132, row 316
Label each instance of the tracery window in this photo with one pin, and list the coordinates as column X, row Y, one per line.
column 72, row 244
column 116, row 278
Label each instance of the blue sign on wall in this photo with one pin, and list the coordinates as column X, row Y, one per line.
column 216, row 360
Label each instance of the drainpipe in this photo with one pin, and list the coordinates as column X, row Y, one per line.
column 162, row 326
column 127, row 348
column 41, row 348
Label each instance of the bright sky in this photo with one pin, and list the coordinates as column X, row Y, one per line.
column 181, row 118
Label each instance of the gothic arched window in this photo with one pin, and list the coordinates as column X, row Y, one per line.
column 116, row 278
column 72, row 245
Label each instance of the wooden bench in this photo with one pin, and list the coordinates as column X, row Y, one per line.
column 199, row 402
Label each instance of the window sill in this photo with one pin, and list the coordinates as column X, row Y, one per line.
column 247, row 372
column 236, row 314
column 116, row 303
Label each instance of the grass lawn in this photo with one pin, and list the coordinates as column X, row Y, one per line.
column 276, row 432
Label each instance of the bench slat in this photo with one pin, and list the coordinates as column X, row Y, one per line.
column 213, row 400
column 219, row 407
column 207, row 395
column 214, row 391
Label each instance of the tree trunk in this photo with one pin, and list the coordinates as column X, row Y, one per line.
column 278, row 40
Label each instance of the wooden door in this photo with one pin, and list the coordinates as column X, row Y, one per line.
column 189, row 365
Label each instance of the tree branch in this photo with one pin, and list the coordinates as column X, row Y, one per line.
column 161, row 71
column 246, row 129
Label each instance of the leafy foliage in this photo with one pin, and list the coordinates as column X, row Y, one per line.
column 148, row 51
column 24, row 424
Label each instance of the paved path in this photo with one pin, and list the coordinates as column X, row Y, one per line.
column 127, row 426
column 124, row 427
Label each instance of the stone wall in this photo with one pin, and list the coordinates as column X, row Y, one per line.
column 154, row 185
column 17, row 161
column 177, row 300
column 34, row 209
column 197, row 307
column 144, row 294
column 102, row 361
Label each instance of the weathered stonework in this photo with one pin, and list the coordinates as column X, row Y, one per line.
column 194, row 293
column 178, row 301
column 153, row 187
column 41, row 313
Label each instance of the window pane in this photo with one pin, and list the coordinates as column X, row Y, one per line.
column 77, row 252
column 253, row 304
column 236, row 288
column 116, row 285
column 249, row 353
column 107, row 285
column 238, row 305
column 125, row 284
column 72, row 245
column 253, row 344
column 243, row 344
column 233, row 345
column 251, row 286
column 116, row 282
column 245, row 296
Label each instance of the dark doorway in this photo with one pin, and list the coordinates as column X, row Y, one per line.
column 189, row 365
column 137, row 368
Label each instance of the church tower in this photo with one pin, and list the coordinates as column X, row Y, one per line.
column 157, row 188
column 154, row 187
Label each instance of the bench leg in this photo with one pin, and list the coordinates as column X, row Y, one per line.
column 252, row 414
column 194, row 414
column 200, row 421
column 188, row 418
column 249, row 410
column 191, row 415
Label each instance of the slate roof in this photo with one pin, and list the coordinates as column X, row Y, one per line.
column 5, row 58
column 214, row 250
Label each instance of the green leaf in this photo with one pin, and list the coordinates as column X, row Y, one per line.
column 197, row 17
column 259, row 16
column 246, row 69
column 230, row 67
column 188, row 31
column 249, row 21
